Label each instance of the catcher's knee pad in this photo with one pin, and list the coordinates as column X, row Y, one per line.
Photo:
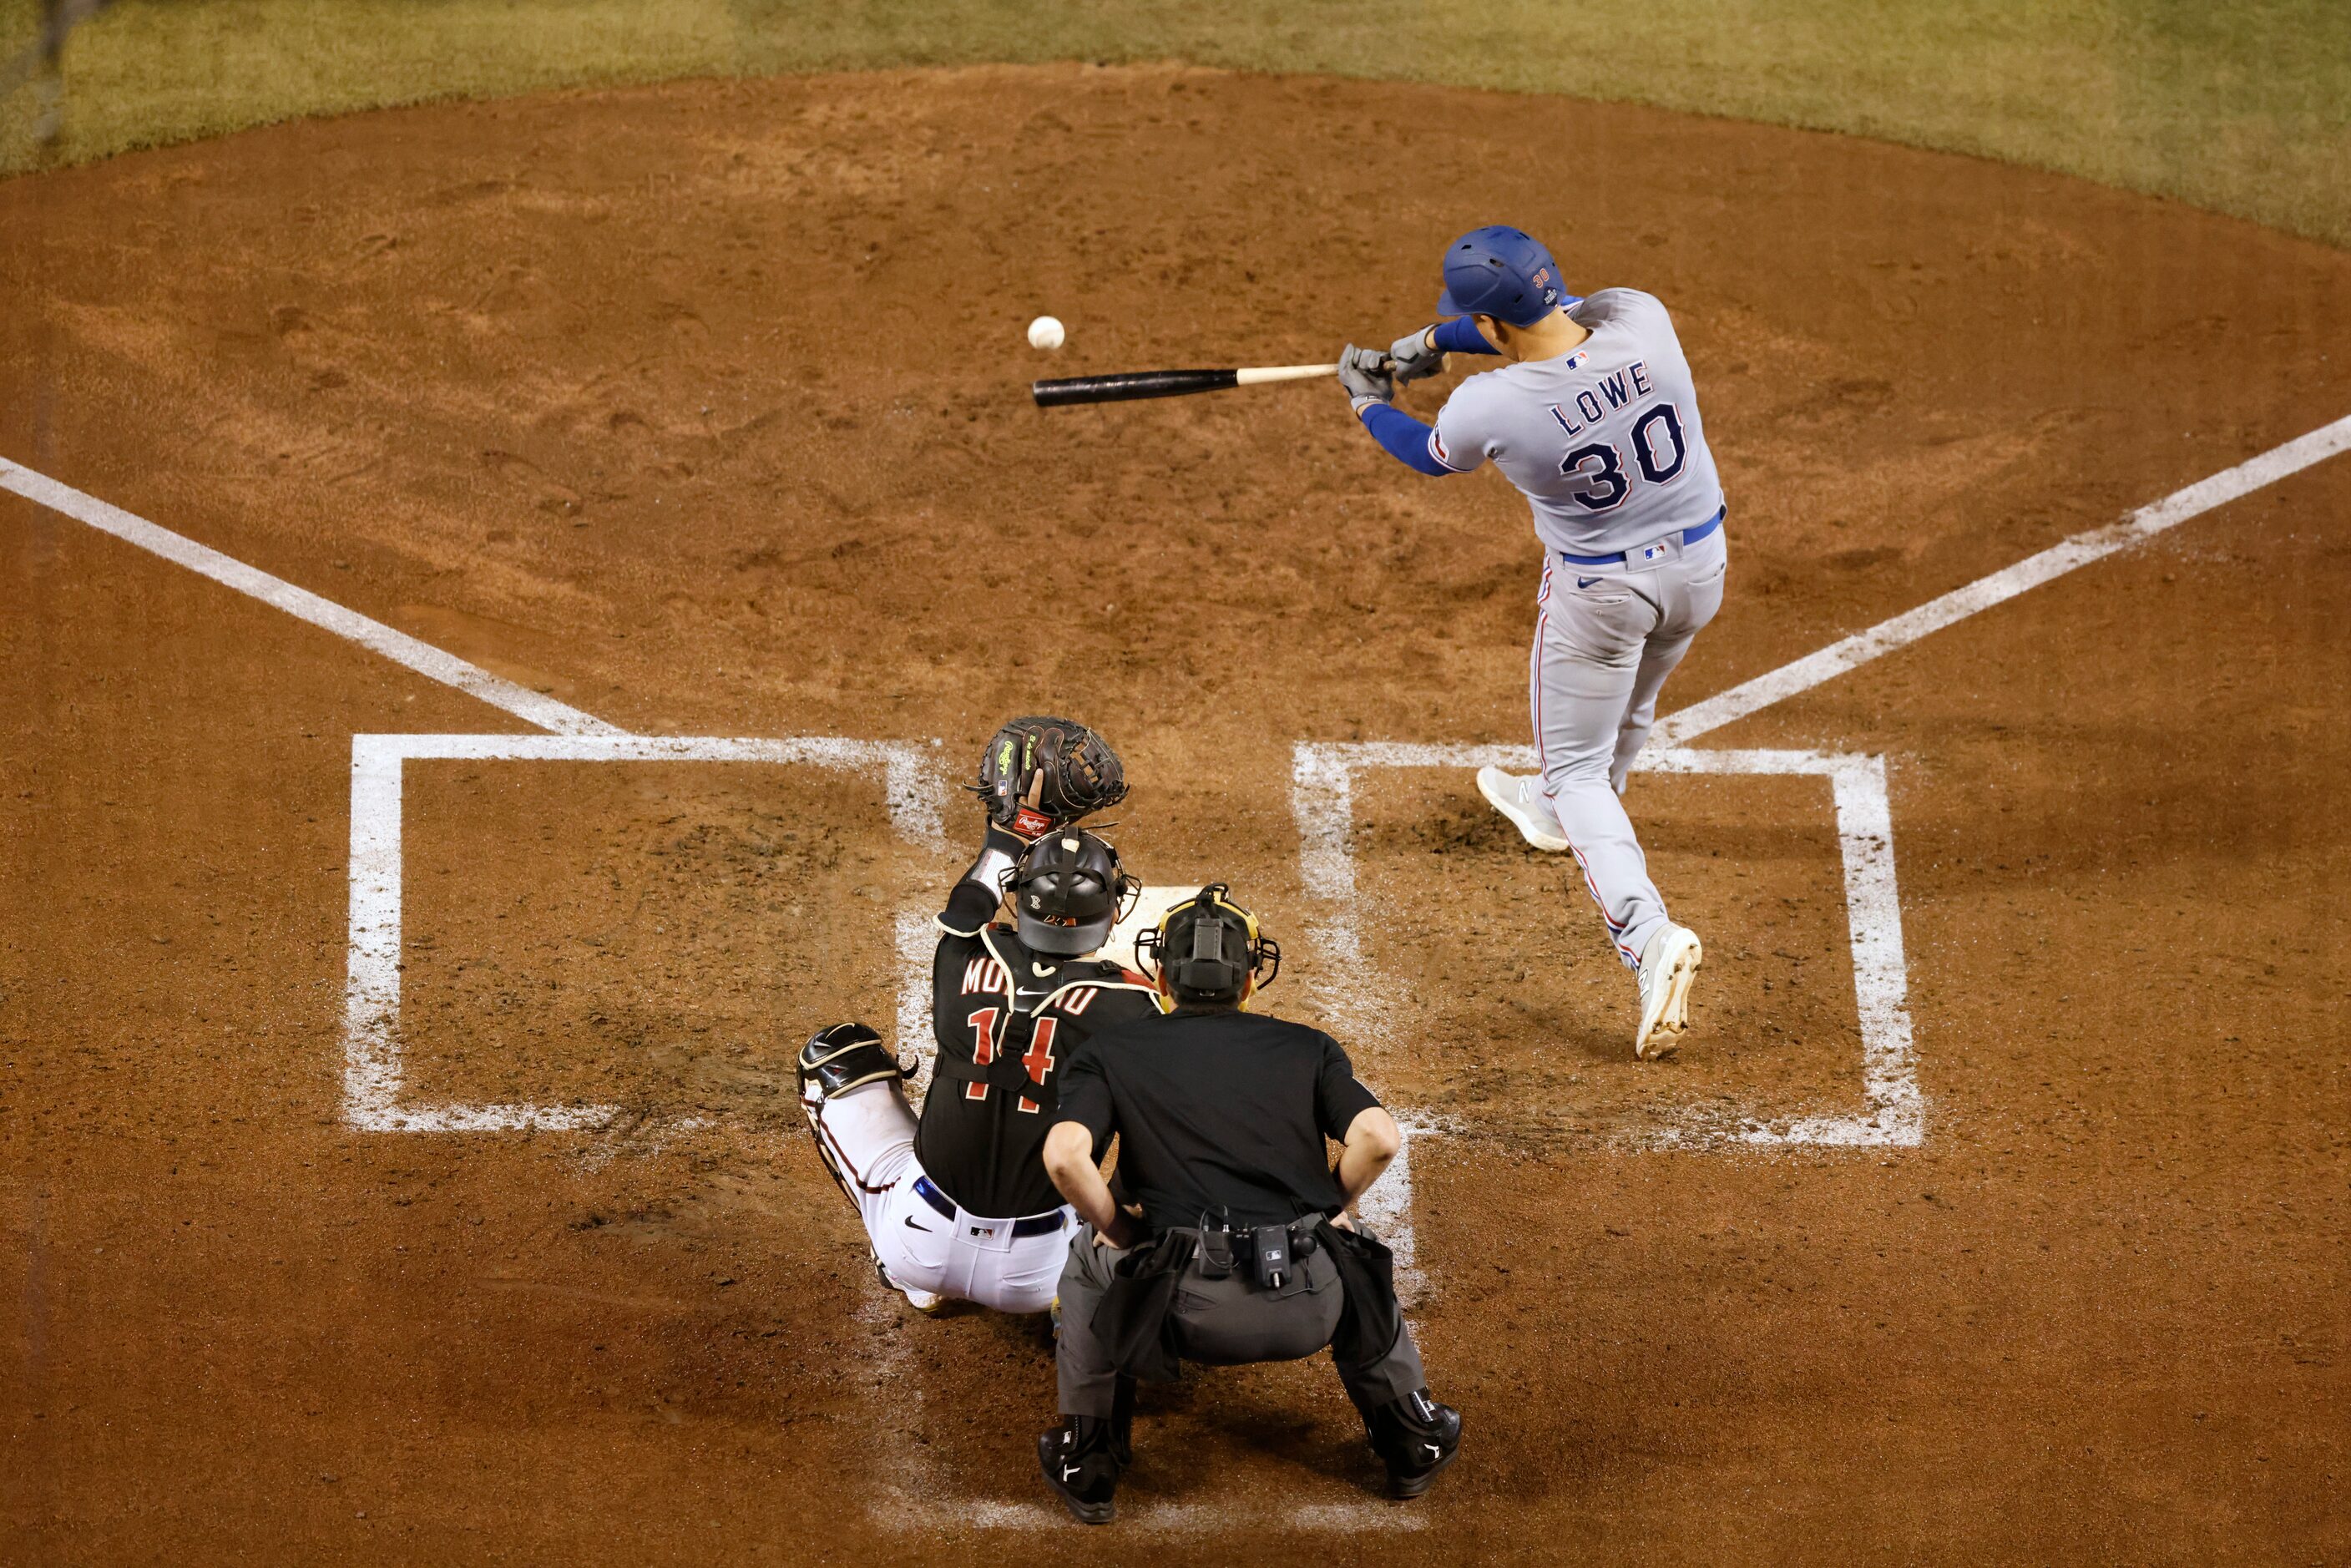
column 844, row 1057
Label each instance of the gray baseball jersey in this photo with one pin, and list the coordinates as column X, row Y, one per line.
column 1606, row 442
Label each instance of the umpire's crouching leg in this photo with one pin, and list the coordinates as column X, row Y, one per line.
column 1083, row 1363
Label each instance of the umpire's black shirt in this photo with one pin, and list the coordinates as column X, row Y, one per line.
column 1216, row 1108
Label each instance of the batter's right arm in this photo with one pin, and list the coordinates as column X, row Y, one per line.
column 1368, row 377
column 1422, row 354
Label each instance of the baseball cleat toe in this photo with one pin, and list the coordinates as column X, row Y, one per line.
column 1522, row 800
column 1668, row 969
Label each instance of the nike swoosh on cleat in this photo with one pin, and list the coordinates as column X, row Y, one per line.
column 1067, row 1471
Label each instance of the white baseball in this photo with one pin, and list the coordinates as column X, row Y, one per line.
column 1045, row 333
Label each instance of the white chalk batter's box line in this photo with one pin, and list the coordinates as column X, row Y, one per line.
column 373, row 1075
column 1324, row 799
column 1893, row 1112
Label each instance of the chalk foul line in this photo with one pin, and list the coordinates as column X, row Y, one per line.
column 1324, row 803
column 1324, row 779
column 373, row 1072
column 434, row 663
column 1685, row 725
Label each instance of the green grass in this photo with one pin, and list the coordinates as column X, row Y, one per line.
column 2243, row 106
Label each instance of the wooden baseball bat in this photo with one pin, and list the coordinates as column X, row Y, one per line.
column 1164, row 384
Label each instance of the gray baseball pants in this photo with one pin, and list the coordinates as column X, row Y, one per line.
column 1606, row 639
column 1222, row 1323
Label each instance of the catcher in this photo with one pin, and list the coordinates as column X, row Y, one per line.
column 958, row 1206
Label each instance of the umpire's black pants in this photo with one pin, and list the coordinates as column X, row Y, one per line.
column 1222, row 1323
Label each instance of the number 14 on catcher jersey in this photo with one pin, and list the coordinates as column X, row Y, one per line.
column 997, row 1028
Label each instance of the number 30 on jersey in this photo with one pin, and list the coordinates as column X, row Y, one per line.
column 1657, row 450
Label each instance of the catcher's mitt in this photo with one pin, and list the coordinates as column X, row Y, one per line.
column 1043, row 773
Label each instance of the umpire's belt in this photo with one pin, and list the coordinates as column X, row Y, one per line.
column 1035, row 1225
column 1632, row 557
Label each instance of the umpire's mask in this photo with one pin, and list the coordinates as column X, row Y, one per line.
column 1207, row 949
column 1067, row 891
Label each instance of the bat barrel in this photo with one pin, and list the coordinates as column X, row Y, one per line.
column 1129, row 386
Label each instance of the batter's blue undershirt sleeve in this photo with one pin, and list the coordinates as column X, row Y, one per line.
column 1406, row 437
column 1460, row 336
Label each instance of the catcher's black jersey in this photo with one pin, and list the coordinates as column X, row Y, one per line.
column 1002, row 1013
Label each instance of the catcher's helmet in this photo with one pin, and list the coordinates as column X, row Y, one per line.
column 1504, row 272
column 1067, row 891
column 1207, row 949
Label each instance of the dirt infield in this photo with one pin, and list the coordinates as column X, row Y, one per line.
column 700, row 408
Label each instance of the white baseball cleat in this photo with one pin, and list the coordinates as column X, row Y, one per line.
column 1522, row 800
column 1669, row 967
column 921, row 1301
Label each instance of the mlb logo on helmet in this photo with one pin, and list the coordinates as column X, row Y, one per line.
column 1501, row 272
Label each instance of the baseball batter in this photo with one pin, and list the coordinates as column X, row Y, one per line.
column 958, row 1204
column 1594, row 418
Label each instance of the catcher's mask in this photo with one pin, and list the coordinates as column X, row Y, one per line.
column 1067, row 891
column 1207, row 949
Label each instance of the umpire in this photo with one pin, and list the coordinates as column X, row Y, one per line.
column 1237, row 1248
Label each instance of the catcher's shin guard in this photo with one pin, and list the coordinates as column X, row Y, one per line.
column 835, row 1061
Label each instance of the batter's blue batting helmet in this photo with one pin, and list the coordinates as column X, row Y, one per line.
column 1501, row 272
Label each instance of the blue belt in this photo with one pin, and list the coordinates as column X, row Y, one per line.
column 1689, row 537
column 1035, row 1225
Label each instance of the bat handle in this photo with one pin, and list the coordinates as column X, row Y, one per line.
column 1260, row 374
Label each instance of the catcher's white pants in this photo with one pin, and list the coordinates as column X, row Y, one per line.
column 972, row 1258
column 1606, row 639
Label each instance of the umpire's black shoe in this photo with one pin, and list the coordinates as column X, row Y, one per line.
column 1076, row 1458
column 1416, row 1437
